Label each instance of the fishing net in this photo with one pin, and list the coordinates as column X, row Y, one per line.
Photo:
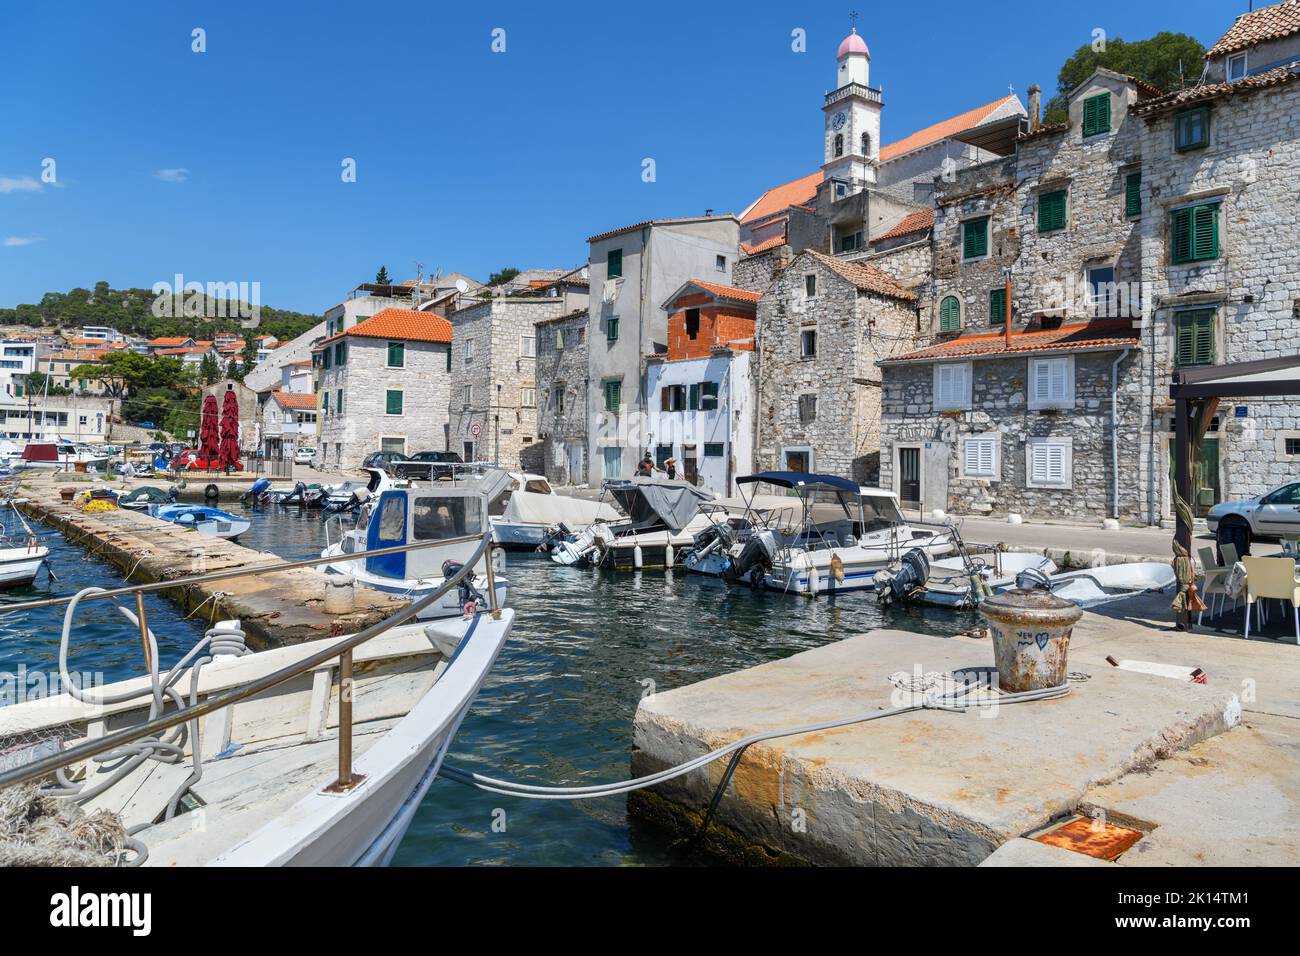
column 40, row 830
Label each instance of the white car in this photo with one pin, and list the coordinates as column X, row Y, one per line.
column 1276, row 514
column 304, row 456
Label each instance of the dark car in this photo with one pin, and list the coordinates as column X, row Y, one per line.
column 428, row 464
column 383, row 459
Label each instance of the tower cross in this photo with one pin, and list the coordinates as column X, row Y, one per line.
column 853, row 20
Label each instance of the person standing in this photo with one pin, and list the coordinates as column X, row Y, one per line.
column 670, row 466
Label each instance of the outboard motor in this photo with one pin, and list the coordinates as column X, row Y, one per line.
column 173, row 492
column 1032, row 579
column 299, row 489
column 471, row 598
column 554, row 535
column 754, row 559
column 258, row 492
column 912, row 572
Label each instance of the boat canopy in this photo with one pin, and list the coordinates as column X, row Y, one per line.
column 800, row 479
column 530, row 507
column 657, row 502
column 41, row 451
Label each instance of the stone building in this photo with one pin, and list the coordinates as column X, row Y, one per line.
column 633, row 271
column 384, row 385
column 701, row 388
column 822, row 326
column 494, row 378
column 562, row 404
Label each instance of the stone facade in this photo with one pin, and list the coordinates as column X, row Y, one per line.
column 563, row 408
column 821, row 411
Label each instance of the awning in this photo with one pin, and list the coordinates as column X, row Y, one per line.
column 654, row 502
column 800, row 479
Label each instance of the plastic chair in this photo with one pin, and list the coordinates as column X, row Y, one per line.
column 1214, row 583
column 1229, row 552
column 1272, row 578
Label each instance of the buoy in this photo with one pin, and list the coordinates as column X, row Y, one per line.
column 211, row 492
column 837, row 568
column 812, row 581
column 636, row 556
column 668, row 556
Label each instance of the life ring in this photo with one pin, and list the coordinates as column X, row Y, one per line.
column 211, row 492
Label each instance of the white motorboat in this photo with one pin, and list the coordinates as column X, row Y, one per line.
column 427, row 512
column 264, row 779
column 845, row 534
column 1094, row 586
column 527, row 512
column 661, row 520
column 352, row 493
column 203, row 519
column 50, row 456
column 957, row 582
column 19, row 563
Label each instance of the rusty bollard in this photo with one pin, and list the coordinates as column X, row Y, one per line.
column 1031, row 637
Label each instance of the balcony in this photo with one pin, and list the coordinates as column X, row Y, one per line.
column 855, row 89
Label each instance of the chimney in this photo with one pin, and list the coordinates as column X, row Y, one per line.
column 1035, row 110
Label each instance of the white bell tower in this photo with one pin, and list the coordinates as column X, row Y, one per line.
column 852, row 145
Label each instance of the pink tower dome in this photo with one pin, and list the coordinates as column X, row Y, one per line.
column 853, row 44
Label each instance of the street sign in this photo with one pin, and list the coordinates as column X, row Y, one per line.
column 475, row 429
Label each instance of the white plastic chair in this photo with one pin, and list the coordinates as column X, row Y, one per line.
column 1214, row 582
column 1272, row 578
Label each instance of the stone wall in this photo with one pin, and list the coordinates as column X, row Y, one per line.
column 563, row 431
column 756, row 272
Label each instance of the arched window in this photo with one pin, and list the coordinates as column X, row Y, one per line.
column 949, row 314
column 839, row 144
column 866, row 144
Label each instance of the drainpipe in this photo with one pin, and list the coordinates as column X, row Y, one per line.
column 1006, row 294
column 1114, row 432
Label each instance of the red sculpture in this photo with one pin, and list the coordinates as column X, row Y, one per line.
column 229, row 451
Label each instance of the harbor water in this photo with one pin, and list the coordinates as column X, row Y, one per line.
column 558, row 706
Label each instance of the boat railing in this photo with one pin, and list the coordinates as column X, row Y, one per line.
column 340, row 650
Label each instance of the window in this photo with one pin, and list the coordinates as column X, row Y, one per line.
column 839, row 144
column 1103, row 295
column 866, row 144
column 448, row 358
column 528, row 397
column 1096, row 114
column 692, row 323
column 720, row 264
column 1292, row 446
column 1051, row 382
column 810, row 285
column 997, row 306
column 397, row 355
column 467, row 396
column 1236, row 67
column 1192, row 128
column 975, row 239
column 341, row 354
column 325, row 404
column 980, row 457
column 325, row 357
column 952, row 387
column 851, row 242
column 672, row 398
column 559, row 399
column 1133, row 194
column 393, row 401
column 613, row 395
column 582, row 334
column 611, row 329
column 808, row 343
column 469, row 351
column 1194, row 337
column 807, row 409
column 708, row 396
column 528, row 346
column 614, row 264
column 559, row 340
column 392, row 518
column 395, row 445
column 612, row 457
column 1194, row 233
column 338, row 403
column 1048, row 462
column 949, row 314
column 1051, row 211
column 714, row 449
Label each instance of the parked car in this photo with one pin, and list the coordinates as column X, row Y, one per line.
column 304, row 455
column 1276, row 514
column 383, row 459
column 428, row 464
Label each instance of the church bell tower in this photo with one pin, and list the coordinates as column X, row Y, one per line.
column 852, row 147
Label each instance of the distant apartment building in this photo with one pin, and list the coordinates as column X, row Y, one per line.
column 384, row 385
column 18, row 359
column 78, row 418
column 562, row 402
column 633, row 271
column 701, row 387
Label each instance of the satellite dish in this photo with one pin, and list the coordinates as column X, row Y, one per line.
column 462, row 286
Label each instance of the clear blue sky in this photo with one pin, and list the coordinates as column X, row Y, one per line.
column 467, row 160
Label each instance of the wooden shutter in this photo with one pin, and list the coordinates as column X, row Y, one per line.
column 979, row 457
column 950, row 386
column 1194, row 338
column 1133, row 194
column 693, row 402
column 1096, row 114
column 949, row 314
column 393, row 402
column 1047, row 463
column 1205, row 232
column 1180, row 235
column 997, row 306
column 1051, row 211
column 708, row 396
column 975, row 238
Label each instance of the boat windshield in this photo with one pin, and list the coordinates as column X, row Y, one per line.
column 879, row 512
column 436, row 518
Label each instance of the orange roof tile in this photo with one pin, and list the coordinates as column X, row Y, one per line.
column 1077, row 336
column 401, row 324
column 170, row 341
column 298, row 401
column 763, row 246
column 1211, row 91
column 917, row 221
column 1268, row 23
column 780, row 198
column 727, row 291
column 867, row 278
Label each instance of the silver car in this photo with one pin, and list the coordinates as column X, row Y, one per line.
column 1276, row 514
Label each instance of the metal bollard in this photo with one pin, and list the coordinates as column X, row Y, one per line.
column 1031, row 637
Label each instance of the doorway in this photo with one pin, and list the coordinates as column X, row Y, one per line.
column 909, row 477
column 468, row 448
column 1205, row 476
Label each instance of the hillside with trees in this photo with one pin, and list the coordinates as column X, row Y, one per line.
column 131, row 311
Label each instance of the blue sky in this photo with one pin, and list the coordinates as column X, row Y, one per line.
column 225, row 165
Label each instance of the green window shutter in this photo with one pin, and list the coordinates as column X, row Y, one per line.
column 1194, row 337
column 1205, row 232
column 448, row 358
column 340, row 354
column 396, row 355
column 997, row 306
column 325, row 358
column 613, row 396
column 1133, row 194
column 614, row 264
column 1180, row 235
column 693, row 402
column 393, row 402
column 1051, row 211
column 339, row 401
column 1096, row 114
column 611, row 329
column 975, row 238
column 949, row 314
column 708, row 396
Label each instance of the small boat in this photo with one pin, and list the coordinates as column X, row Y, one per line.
column 1113, row 582
column 846, row 533
column 49, row 456
column 959, row 582
column 661, row 520
column 529, row 511
column 20, row 561
column 264, row 780
column 142, row 497
column 203, row 519
column 351, row 494
column 428, row 512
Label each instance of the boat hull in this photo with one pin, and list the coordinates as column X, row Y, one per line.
column 449, row 605
column 19, row 566
column 517, row 535
column 811, row 573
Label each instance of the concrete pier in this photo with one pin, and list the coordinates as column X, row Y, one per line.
column 276, row 608
column 933, row 787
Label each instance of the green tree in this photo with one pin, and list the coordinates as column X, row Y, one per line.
column 381, row 277
column 1168, row 61
column 34, row 383
column 502, row 277
column 209, row 369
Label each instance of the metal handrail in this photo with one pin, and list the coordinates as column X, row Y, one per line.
column 341, row 649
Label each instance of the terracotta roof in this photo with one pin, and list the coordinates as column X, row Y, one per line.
column 918, row 221
column 1076, row 336
column 727, row 291
column 306, row 362
column 763, row 246
column 780, row 198
column 170, row 340
column 1045, row 131
column 401, row 324
column 298, row 401
column 866, row 277
column 577, row 313
column 189, row 350
column 1268, row 23
column 1210, row 91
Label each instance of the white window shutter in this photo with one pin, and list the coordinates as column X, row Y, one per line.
column 972, row 457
